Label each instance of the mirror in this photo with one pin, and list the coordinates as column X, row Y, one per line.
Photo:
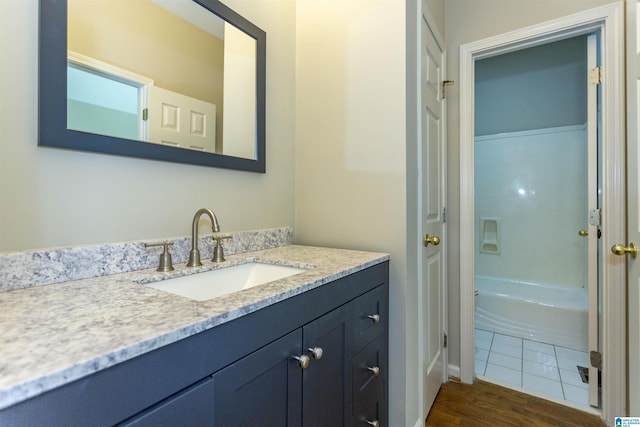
column 113, row 83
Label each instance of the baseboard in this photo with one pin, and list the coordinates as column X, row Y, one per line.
column 454, row 371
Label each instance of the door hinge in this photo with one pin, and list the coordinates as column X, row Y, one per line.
column 595, row 357
column 595, row 76
column 445, row 84
column 444, row 215
column 445, row 342
column 594, row 217
column 145, row 114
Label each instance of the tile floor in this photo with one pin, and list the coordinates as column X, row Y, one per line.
column 543, row 369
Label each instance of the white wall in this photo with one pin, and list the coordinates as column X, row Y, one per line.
column 51, row 197
column 467, row 21
column 351, row 178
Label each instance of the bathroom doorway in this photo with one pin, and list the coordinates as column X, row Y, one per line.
column 537, row 219
column 607, row 21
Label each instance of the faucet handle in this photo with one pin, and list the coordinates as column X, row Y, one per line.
column 218, row 250
column 165, row 257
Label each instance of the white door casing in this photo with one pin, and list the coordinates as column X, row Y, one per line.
column 608, row 20
column 633, row 200
column 432, row 290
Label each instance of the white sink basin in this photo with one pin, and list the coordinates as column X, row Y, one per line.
column 215, row 283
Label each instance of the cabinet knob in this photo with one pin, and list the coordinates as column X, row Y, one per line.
column 316, row 352
column 374, row 317
column 375, row 423
column 303, row 361
column 375, row 370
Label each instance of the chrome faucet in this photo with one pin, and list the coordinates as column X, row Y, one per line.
column 194, row 254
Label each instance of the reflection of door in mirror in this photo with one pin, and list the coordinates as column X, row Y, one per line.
column 181, row 121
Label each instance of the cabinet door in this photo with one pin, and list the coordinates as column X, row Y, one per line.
column 191, row 407
column 263, row 388
column 327, row 381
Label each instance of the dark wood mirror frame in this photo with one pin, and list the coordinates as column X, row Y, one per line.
column 52, row 102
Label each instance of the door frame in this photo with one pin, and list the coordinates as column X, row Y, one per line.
column 609, row 20
column 633, row 86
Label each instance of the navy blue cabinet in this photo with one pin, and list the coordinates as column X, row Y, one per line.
column 301, row 379
column 324, row 374
column 190, row 407
column 263, row 388
column 316, row 359
column 327, row 379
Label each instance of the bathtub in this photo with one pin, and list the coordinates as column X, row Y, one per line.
column 549, row 314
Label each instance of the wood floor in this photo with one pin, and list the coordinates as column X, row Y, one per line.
column 485, row 404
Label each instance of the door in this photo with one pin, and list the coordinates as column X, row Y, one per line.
column 326, row 383
column 593, row 213
column 181, row 121
column 269, row 368
column 433, row 268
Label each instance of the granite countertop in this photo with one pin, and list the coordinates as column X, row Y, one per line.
column 54, row 334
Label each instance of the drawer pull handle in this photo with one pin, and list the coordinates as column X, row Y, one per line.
column 375, row 370
column 375, row 423
column 316, row 352
column 374, row 317
column 303, row 361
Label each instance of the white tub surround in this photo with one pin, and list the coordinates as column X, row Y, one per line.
column 548, row 314
column 42, row 267
column 530, row 201
column 55, row 334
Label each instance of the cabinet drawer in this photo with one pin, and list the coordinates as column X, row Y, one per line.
column 370, row 371
column 371, row 316
column 191, row 407
column 369, row 366
column 371, row 407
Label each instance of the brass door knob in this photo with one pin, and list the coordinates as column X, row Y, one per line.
column 583, row 233
column 435, row 240
column 621, row 250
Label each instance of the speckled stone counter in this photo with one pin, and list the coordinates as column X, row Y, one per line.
column 42, row 267
column 52, row 335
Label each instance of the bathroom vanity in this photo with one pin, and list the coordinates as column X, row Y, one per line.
column 311, row 349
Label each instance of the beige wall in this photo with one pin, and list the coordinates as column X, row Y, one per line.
column 436, row 9
column 351, row 157
column 147, row 39
column 467, row 21
column 51, row 197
